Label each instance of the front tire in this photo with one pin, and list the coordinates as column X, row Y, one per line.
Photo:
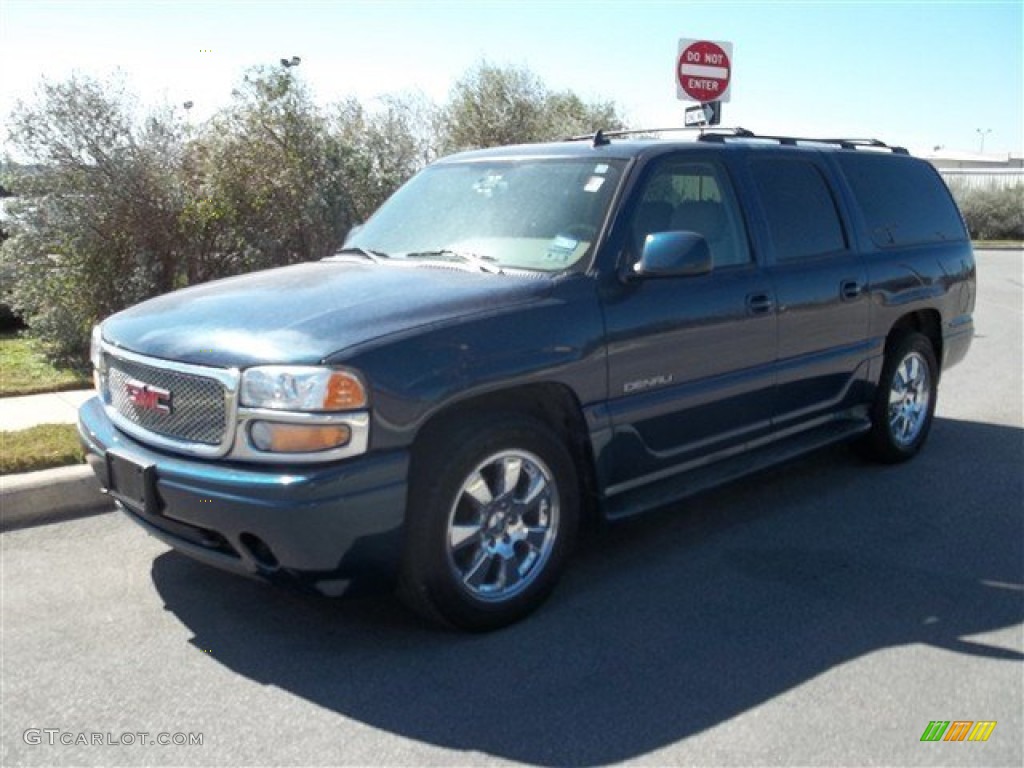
column 904, row 407
column 493, row 512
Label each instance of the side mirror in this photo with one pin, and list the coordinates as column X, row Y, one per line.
column 673, row 254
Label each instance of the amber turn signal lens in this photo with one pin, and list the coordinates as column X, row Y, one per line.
column 344, row 392
column 272, row 437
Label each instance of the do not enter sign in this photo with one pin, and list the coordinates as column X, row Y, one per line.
column 703, row 71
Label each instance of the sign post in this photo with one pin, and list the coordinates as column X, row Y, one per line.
column 703, row 71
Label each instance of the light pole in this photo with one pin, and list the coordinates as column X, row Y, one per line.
column 983, row 134
column 187, row 106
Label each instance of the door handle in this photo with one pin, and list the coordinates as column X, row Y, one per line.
column 850, row 289
column 759, row 303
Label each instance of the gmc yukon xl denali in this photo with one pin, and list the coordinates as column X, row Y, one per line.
column 524, row 336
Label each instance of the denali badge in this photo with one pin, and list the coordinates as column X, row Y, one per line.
column 641, row 384
column 148, row 397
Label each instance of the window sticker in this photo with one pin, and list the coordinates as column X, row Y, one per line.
column 490, row 183
column 601, row 168
column 561, row 248
column 593, row 184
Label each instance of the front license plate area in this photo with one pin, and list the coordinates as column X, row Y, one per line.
column 131, row 483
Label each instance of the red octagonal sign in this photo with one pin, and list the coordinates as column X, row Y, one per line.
column 703, row 71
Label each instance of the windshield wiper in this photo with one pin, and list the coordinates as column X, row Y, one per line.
column 478, row 260
column 375, row 256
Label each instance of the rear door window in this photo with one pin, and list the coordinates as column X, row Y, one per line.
column 799, row 206
column 903, row 199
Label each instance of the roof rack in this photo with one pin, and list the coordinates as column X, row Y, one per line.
column 601, row 137
column 721, row 135
column 792, row 141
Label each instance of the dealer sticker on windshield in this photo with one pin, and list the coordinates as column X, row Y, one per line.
column 562, row 248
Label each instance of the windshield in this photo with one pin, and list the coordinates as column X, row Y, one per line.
column 535, row 214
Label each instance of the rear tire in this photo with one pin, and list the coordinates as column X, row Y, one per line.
column 904, row 406
column 493, row 512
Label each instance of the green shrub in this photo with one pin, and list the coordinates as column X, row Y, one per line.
column 992, row 213
column 94, row 225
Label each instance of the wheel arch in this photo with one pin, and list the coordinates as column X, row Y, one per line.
column 927, row 322
column 551, row 403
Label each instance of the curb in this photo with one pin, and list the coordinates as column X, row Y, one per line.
column 50, row 495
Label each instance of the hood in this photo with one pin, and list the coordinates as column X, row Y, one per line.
column 303, row 313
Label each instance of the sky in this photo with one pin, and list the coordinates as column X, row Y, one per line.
column 917, row 74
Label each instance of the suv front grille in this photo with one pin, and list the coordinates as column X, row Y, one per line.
column 195, row 411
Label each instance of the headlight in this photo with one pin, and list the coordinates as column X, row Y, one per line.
column 302, row 388
column 95, row 349
column 96, row 358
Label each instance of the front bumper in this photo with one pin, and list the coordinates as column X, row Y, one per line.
column 324, row 526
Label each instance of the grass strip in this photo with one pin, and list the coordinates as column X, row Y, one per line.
column 24, row 370
column 39, row 447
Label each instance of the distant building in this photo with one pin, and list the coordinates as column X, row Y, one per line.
column 976, row 170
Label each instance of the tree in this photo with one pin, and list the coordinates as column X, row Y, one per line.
column 492, row 106
column 117, row 205
column 265, row 180
column 569, row 115
column 385, row 147
column 95, row 225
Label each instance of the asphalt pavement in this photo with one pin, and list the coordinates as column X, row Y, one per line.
column 822, row 613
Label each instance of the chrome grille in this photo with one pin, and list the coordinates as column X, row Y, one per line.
column 198, row 412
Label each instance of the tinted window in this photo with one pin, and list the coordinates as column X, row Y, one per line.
column 694, row 197
column 799, row 206
column 904, row 200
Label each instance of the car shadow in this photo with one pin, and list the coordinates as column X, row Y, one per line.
column 666, row 625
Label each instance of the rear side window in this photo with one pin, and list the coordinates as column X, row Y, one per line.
column 799, row 207
column 904, row 200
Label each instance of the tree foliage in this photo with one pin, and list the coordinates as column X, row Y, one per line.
column 95, row 227
column 385, row 147
column 493, row 106
column 116, row 205
column 265, row 181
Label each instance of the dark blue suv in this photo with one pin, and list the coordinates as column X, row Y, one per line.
column 526, row 335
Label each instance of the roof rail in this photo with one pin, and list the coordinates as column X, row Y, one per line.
column 600, row 136
column 797, row 140
column 720, row 135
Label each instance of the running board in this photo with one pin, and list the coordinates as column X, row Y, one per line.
column 689, row 481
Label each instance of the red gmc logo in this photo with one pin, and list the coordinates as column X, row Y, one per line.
column 147, row 397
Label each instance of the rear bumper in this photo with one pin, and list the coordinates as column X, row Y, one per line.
column 956, row 340
column 324, row 526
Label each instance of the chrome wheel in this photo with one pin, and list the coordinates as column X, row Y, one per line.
column 909, row 399
column 901, row 415
column 503, row 525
